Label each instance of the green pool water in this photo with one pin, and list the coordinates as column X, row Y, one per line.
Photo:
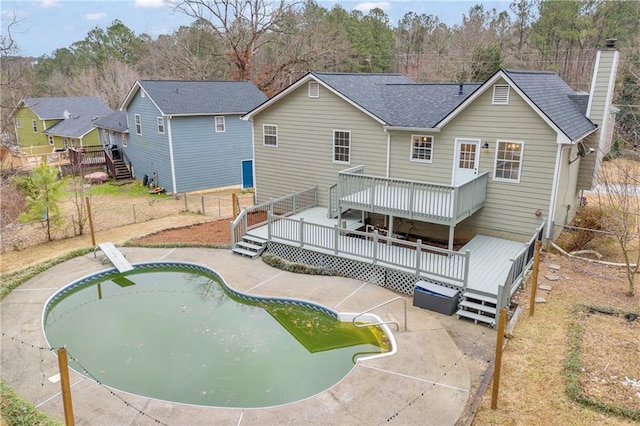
column 179, row 334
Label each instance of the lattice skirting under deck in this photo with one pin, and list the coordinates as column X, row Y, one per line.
column 399, row 281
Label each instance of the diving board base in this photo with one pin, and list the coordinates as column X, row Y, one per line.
column 115, row 256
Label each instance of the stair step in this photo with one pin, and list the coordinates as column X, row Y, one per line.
column 250, row 246
column 254, row 240
column 475, row 296
column 243, row 252
column 476, row 317
column 479, row 307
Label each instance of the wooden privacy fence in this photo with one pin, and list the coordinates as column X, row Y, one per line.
column 108, row 214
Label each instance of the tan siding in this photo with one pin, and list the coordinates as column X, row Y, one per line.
column 304, row 156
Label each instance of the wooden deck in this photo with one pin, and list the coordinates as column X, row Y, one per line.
column 489, row 264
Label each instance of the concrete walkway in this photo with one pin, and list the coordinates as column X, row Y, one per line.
column 432, row 378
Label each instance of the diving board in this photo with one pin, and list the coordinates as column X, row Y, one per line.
column 115, row 256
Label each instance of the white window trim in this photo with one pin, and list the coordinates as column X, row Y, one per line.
column 215, row 123
column 333, row 151
column 160, row 122
column 18, row 123
column 314, row 89
column 264, row 143
column 500, row 100
column 495, row 161
column 420, row 160
column 138, row 123
column 124, row 140
column 34, row 126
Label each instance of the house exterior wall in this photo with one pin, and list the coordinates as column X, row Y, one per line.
column 304, row 155
column 205, row 158
column 149, row 151
column 24, row 133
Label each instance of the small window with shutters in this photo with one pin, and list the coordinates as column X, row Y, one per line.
column 501, row 94
column 314, row 89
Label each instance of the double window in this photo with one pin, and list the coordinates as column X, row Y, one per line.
column 270, row 135
column 508, row 163
column 138, row 123
column 50, row 139
column 219, row 123
column 421, row 148
column 341, row 146
column 34, row 126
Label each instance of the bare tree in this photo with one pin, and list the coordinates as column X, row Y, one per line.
column 242, row 25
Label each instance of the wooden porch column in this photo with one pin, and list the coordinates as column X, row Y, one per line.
column 451, row 236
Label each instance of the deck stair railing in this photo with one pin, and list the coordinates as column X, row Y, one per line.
column 520, row 265
column 414, row 257
column 256, row 216
column 369, row 324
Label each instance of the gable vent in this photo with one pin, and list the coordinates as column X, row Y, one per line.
column 314, row 89
column 500, row 94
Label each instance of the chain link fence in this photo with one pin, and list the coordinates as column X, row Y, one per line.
column 107, row 213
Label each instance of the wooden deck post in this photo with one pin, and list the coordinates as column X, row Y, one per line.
column 93, row 235
column 498, row 360
column 534, row 278
column 66, row 388
column 234, row 203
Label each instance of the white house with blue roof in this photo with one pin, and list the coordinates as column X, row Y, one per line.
column 188, row 135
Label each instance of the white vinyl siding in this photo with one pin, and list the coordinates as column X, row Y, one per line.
column 508, row 162
column 341, row 146
column 500, row 94
column 34, row 126
column 219, row 124
column 314, row 89
column 138, row 124
column 160, row 125
column 422, row 148
column 270, row 133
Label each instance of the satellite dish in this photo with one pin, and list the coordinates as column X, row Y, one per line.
column 582, row 150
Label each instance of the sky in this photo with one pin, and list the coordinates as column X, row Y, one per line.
column 43, row 26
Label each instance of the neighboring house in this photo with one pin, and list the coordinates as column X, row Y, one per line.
column 188, row 135
column 60, row 123
column 112, row 129
column 522, row 137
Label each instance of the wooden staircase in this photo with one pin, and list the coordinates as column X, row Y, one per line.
column 250, row 246
column 122, row 171
column 479, row 308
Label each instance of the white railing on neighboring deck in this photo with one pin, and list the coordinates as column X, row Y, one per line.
column 413, row 257
column 445, row 204
column 256, row 216
column 520, row 264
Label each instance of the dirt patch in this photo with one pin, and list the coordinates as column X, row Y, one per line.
column 217, row 232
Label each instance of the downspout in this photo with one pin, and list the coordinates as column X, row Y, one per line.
column 171, row 159
column 388, row 151
column 253, row 161
column 554, row 191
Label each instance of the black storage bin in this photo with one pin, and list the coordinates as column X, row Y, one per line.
column 435, row 297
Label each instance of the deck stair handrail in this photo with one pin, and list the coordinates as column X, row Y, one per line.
column 520, row 264
column 382, row 322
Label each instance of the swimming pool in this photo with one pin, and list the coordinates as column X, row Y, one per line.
column 177, row 332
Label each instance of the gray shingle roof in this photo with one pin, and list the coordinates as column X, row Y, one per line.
column 116, row 121
column 396, row 99
column 76, row 113
column 203, row 97
column 555, row 99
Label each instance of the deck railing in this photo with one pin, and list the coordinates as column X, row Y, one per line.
column 256, row 216
column 444, row 204
column 520, row 265
column 87, row 156
column 408, row 256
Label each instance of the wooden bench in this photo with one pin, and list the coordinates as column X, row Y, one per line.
column 115, row 256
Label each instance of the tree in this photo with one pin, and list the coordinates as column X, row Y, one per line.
column 45, row 205
column 243, row 26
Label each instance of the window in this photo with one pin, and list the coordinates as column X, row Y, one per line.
column 508, row 161
column 65, row 143
column 124, row 140
column 138, row 124
column 219, row 124
column 501, row 94
column 341, row 146
column 421, row 148
column 50, row 139
column 270, row 135
column 314, row 89
column 34, row 125
column 18, row 123
column 161, row 125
